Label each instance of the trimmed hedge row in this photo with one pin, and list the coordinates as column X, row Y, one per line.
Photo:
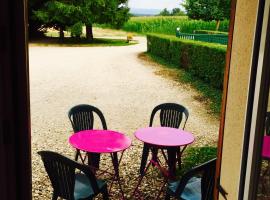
column 203, row 60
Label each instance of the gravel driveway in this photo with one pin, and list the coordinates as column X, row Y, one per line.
column 116, row 81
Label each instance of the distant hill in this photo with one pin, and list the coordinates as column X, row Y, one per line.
column 144, row 12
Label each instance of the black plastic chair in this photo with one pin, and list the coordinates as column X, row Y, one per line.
column 82, row 118
column 171, row 115
column 196, row 184
column 71, row 180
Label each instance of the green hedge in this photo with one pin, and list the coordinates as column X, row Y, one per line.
column 203, row 60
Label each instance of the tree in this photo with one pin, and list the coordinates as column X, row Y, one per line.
column 177, row 12
column 208, row 10
column 58, row 15
column 174, row 12
column 76, row 30
column 113, row 12
column 33, row 23
column 164, row 12
column 62, row 14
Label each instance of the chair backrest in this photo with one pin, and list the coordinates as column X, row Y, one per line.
column 208, row 180
column 61, row 171
column 82, row 117
column 171, row 115
column 207, row 173
column 267, row 123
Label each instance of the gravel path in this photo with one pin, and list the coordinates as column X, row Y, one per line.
column 115, row 80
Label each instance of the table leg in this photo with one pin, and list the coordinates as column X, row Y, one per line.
column 164, row 172
column 172, row 151
column 179, row 155
column 161, row 188
column 141, row 178
column 116, row 169
column 154, row 153
column 93, row 159
column 145, row 154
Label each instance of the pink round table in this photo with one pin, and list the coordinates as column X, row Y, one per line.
column 167, row 138
column 100, row 141
column 164, row 136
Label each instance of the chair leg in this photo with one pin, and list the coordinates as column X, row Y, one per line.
column 77, row 153
column 144, row 158
column 55, row 196
column 168, row 196
column 105, row 193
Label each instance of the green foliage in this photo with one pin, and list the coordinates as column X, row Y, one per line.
column 168, row 25
column 164, row 12
column 205, row 61
column 194, row 156
column 120, row 18
column 208, row 9
column 174, row 12
column 64, row 14
column 34, row 23
column 113, row 12
column 76, row 30
column 56, row 14
column 177, row 12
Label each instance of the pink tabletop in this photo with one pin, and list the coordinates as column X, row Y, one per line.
column 164, row 136
column 266, row 147
column 100, row 141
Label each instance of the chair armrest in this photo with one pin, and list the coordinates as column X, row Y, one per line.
column 191, row 173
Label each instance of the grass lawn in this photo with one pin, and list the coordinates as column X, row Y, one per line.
column 73, row 42
column 102, row 37
column 194, row 156
column 210, row 96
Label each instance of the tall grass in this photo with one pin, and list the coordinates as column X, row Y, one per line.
column 168, row 25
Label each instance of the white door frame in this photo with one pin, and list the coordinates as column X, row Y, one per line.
column 260, row 100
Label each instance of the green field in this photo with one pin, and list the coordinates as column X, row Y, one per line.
column 168, row 25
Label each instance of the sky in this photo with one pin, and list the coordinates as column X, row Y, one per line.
column 154, row 4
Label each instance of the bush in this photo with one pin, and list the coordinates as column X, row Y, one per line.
column 194, row 156
column 203, row 60
column 76, row 30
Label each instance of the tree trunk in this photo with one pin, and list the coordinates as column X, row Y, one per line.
column 217, row 24
column 89, row 32
column 61, row 33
